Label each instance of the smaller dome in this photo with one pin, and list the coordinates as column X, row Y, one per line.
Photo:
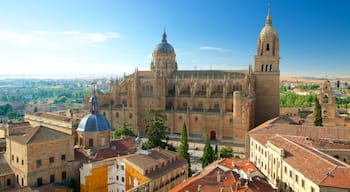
column 164, row 46
column 94, row 123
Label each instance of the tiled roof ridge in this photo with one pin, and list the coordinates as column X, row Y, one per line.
column 32, row 133
column 208, row 170
column 329, row 174
column 310, row 150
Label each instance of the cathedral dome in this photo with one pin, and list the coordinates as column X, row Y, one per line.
column 94, row 123
column 164, row 46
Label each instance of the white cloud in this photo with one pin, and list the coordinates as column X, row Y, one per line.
column 9, row 37
column 99, row 37
column 211, row 48
column 51, row 39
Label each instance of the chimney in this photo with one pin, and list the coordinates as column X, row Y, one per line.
column 218, row 176
column 199, row 188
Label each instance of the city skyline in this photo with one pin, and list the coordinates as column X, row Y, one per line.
column 75, row 38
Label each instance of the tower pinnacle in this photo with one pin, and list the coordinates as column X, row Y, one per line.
column 164, row 37
column 268, row 17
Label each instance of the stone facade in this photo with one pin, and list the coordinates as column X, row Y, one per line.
column 224, row 104
column 40, row 156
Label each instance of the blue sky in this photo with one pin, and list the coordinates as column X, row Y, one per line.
column 112, row 37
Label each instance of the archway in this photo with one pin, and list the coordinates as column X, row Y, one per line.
column 212, row 135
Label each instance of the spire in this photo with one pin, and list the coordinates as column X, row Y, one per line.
column 164, row 36
column 94, row 102
column 268, row 17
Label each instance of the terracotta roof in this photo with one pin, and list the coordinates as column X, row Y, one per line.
column 153, row 160
column 125, row 146
column 208, row 179
column 39, row 134
column 272, row 127
column 52, row 116
column 4, row 166
column 118, row 148
column 303, row 145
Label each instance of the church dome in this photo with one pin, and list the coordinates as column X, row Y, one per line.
column 164, row 46
column 94, row 123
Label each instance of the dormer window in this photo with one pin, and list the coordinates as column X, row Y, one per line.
column 267, row 47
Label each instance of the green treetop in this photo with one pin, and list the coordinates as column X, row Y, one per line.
column 208, row 153
column 317, row 113
column 183, row 148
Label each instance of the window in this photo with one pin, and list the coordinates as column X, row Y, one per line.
column 22, row 181
column 91, row 142
column 180, row 117
column 303, row 183
column 262, row 67
column 130, row 115
column 52, row 159
column 285, row 169
column 296, row 178
column 22, row 162
column 312, row 189
column 267, row 47
column 52, row 178
column 117, row 115
column 196, row 118
column 117, row 178
column 290, row 173
column 39, row 181
column 8, row 182
column 13, row 157
column 122, row 167
column 123, row 179
column 63, row 157
column 17, row 159
column 64, row 176
column 38, row 163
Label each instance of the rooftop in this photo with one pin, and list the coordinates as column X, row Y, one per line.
column 39, row 134
column 226, row 175
column 303, row 145
column 54, row 116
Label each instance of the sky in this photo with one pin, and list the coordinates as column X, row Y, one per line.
column 72, row 38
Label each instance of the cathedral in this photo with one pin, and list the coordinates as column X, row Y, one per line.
column 224, row 104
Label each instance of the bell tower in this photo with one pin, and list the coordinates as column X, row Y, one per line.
column 267, row 73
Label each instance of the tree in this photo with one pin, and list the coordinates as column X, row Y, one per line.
column 226, row 152
column 208, row 152
column 216, row 153
column 317, row 113
column 183, row 148
column 156, row 130
column 123, row 132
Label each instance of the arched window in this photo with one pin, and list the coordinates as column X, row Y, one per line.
column 266, row 66
column 147, row 89
column 267, row 47
column 262, row 67
column 270, row 67
column 325, row 99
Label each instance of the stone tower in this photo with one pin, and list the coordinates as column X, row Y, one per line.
column 267, row 73
column 164, row 58
column 327, row 101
